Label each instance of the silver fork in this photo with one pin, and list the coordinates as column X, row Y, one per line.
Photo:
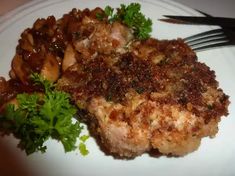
column 211, row 39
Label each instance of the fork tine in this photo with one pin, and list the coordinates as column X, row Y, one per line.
column 222, row 39
column 216, row 45
column 200, row 35
column 207, row 39
column 211, row 39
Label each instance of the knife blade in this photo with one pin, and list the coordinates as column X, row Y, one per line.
column 219, row 21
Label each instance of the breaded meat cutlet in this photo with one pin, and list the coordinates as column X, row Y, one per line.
column 154, row 96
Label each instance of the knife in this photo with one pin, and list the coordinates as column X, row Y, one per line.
column 219, row 21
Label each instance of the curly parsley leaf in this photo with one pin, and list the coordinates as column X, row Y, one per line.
column 132, row 17
column 39, row 80
column 82, row 146
column 109, row 11
column 38, row 117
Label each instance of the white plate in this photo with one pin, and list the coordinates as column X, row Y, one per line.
column 214, row 157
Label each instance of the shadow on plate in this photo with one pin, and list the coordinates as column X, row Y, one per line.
column 11, row 163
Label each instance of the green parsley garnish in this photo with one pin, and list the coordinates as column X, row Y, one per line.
column 82, row 145
column 39, row 117
column 132, row 17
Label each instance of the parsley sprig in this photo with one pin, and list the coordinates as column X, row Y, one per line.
column 38, row 117
column 131, row 16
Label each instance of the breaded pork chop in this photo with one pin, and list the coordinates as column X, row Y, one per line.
column 137, row 95
column 156, row 95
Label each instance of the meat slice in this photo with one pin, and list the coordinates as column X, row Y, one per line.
column 156, row 95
